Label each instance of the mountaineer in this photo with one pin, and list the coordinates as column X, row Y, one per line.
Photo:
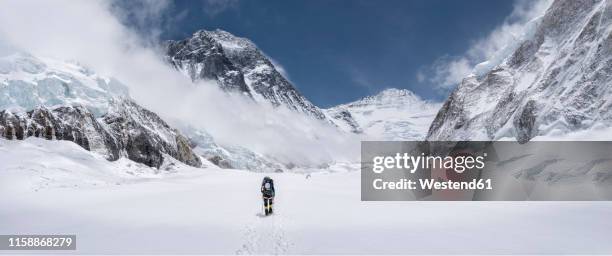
column 267, row 192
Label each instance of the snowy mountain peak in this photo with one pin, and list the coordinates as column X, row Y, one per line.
column 392, row 114
column 222, row 38
column 228, row 41
column 392, row 97
column 394, row 92
column 237, row 65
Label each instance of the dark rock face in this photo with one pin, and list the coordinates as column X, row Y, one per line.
column 346, row 117
column 237, row 65
column 128, row 130
column 557, row 80
column 81, row 126
column 74, row 124
column 525, row 122
column 219, row 161
column 202, row 58
column 145, row 137
column 451, row 112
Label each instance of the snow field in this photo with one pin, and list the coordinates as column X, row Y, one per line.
column 55, row 187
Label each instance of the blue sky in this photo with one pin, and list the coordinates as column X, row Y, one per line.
column 336, row 51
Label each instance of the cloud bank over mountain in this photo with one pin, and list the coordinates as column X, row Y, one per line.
column 92, row 34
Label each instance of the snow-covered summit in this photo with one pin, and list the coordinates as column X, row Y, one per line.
column 392, row 98
column 393, row 114
column 228, row 41
column 236, row 64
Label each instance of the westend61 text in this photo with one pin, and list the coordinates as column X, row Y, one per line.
column 432, row 184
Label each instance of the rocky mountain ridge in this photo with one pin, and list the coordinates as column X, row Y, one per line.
column 558, row 79
column 127, row 130
column 237, row 65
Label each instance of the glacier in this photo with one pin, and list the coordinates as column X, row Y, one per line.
column 27, row 81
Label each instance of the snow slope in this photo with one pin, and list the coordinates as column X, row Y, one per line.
column 122, row 207
column 555, row 79
column 393, row 114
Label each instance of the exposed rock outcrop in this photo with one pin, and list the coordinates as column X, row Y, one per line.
column 145, row 137
column 126, row 130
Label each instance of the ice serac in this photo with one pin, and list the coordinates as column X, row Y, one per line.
column 393, row 114
column 556, row 80
column 237, row 65
column 228, row 156
column 27, row 81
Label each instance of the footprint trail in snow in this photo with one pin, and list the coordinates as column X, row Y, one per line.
column 265, row 235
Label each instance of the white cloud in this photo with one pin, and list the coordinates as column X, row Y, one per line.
column 358, row 77
column 87, row 31
column 446, row 72
column 361, row 80
column 214, row 7
column 420, row 76
column 148, row 18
